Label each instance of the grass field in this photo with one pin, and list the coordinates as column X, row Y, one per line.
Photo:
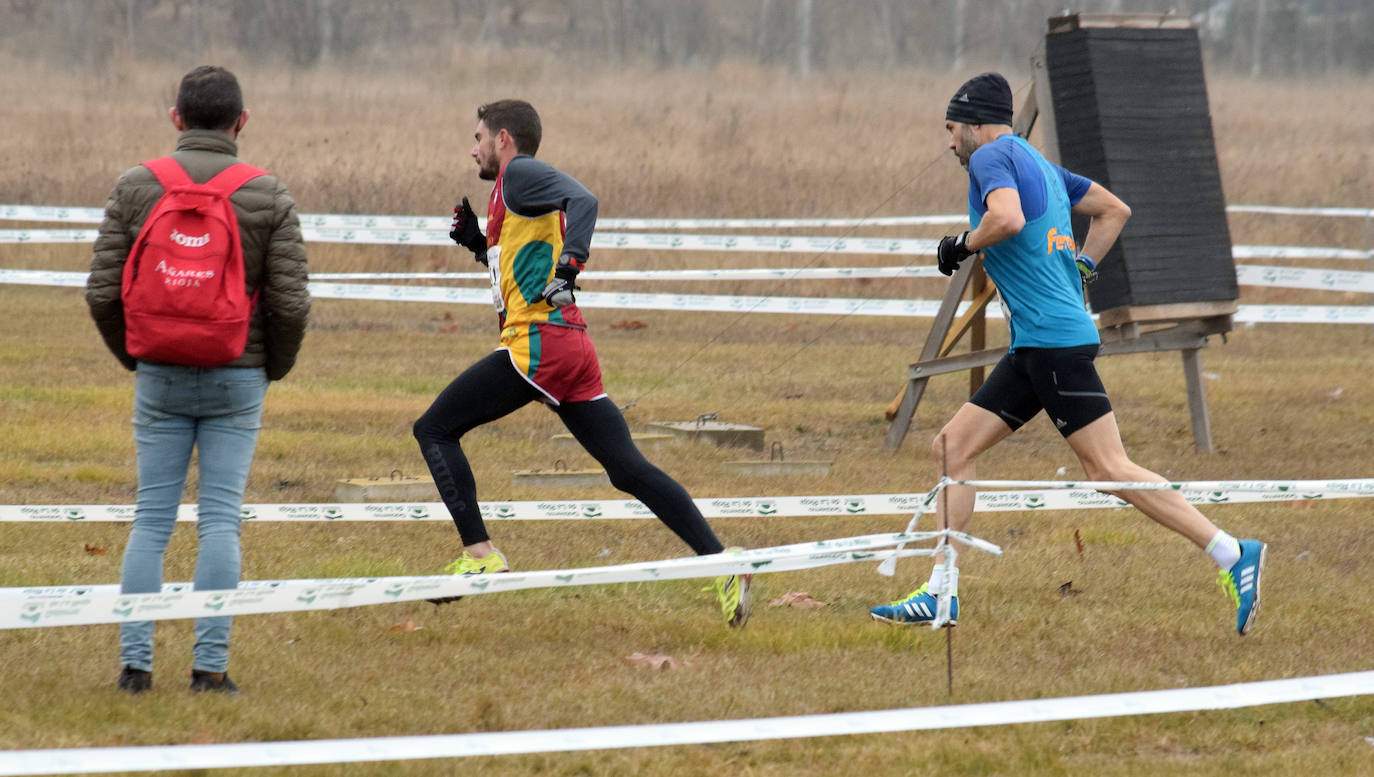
column 1287, row 401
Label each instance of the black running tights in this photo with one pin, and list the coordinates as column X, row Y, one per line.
column 492, row 388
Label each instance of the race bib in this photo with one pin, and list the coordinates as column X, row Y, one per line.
column 494, row 270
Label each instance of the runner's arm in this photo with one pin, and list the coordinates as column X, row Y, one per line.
column 1107, row 214
column 532, row 188
column 1003, row 219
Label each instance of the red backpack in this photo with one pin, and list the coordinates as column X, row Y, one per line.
column 185, row 298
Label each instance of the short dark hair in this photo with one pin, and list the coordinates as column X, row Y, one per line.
column 209, row 98
column 518, row 118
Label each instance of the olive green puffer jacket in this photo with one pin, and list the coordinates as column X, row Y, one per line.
column 273, row 253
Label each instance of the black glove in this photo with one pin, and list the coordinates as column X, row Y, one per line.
column 953, row 250
column 559, row 291
column 466, row 233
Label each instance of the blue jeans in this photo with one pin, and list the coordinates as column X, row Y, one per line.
column 218, row 411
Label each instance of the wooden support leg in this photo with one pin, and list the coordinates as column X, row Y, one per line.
column 1197, row 400
column 944, row 333
column 978, row 332
column 901, row 420
column 935, row 338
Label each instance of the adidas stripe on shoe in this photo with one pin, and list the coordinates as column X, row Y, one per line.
column 919, row 607
column 1241, row 583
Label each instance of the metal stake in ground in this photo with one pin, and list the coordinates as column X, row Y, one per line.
column 950, row 559
column 949, row 660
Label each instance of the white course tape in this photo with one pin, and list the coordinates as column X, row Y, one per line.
column 302, row 586
column 677, row 242
column 54, row 213
column 1299, row 252
column 754, row 274
column 767, row 243
column 713, row 303
column 1304, row 314
column 1354, row 487
column 399, row 748
column 587, row 299
column 1075, row 497
column 443, row 223
column 833, row 306
column 1304, row 278
column 1363, row 213
column 601, row 240
column 47, row 236
column 102, row 606
column 817, row 223
column 44, row 278
column 355, row 221
column 1246, row 275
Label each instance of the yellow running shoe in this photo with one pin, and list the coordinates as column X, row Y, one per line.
column 468, row 564
column 732, row 591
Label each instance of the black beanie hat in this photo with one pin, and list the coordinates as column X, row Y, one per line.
column 983, row 99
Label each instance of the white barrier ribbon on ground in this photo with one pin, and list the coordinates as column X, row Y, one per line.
column 1353, row 487
column 1077, row 497
column 312, row 587
column 715, row 303
column 99, row 605
column 405, row 748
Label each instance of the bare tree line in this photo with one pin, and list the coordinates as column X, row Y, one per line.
column 1259, row 37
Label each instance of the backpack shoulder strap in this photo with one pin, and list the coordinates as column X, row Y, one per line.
column 228, row 180
column 168, row 172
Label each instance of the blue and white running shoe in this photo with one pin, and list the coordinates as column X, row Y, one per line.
column 1242, row 584
column 917, row 608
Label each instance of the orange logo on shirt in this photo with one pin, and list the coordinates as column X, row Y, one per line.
column 1055, row 240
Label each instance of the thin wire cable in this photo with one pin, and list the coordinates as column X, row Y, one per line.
column 814, row 259
column 836, row 321
column 842, row 316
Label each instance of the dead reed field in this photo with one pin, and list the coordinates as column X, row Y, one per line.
column 1287, row 401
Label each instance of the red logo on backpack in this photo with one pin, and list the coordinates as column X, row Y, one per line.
column 184, row 293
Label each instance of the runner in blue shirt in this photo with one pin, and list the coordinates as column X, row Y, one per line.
column 1019, row 206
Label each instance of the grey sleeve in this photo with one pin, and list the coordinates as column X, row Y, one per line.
column 532, row 188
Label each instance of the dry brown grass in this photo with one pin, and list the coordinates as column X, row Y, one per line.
column 737, row 142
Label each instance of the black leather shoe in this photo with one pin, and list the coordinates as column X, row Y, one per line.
column 135, row 681
column 213, row 682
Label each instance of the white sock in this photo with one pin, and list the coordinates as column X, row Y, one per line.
column 1224, row 550
column 937, row 579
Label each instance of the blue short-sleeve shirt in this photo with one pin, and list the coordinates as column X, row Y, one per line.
column 1034, row 270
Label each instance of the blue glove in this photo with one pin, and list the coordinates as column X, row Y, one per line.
column 1086, row 267
column 559, row 290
